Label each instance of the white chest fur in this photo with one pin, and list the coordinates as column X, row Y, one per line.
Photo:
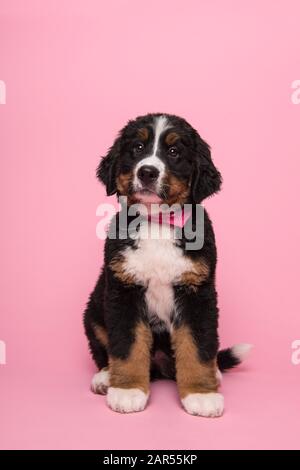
column 157, row 263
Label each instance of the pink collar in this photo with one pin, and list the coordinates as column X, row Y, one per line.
column 176, row 219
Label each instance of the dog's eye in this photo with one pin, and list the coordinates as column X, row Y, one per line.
column 139, row 147
column 173, row 151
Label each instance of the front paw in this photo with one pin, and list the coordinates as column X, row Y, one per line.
column 126, row 400
column 209, row 405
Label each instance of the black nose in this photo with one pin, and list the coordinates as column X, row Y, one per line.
column 148, row 174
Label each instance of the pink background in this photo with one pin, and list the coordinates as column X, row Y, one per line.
column 75, row 71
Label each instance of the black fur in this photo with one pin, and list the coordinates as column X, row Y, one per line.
column 227, row 360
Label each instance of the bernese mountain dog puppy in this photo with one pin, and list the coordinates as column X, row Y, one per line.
column 153, row 313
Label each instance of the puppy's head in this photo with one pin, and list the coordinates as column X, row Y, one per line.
column 159, row 158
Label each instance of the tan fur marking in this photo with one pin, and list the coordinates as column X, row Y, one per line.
column 198, row 275
column 134, row 372
column 171, row 138
column 117, row 266
column 178, row 190
column 101, row 334
column 192, row 375
column 123, row 180
column 143, row 133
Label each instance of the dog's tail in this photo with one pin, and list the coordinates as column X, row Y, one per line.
column 232, row 357
column 163, row 366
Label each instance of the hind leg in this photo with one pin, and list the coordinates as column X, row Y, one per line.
column 98, row 341
column 101, row 381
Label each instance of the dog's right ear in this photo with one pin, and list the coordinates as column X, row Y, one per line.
column 106, row 170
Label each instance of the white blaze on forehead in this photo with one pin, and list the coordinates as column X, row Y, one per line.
column 161, row 124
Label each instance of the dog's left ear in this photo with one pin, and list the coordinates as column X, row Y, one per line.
column 106, row 170
column 206, row 179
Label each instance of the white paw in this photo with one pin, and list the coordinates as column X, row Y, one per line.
column 209, row 405
column 100, row 382
column 126, row 400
